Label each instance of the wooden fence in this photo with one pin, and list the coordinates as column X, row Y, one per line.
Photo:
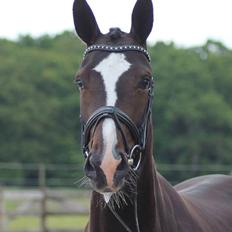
column 42, row 198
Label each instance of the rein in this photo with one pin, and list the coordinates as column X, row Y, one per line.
column 139, row 133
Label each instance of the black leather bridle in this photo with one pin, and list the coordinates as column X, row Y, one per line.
column 139, row 133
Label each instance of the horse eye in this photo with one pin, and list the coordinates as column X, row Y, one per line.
column 145, row 83
column 79, row 83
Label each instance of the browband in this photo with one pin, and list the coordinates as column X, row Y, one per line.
column 121, row 48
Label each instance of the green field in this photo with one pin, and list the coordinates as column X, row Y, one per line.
column 12, row 204
column 61, row 222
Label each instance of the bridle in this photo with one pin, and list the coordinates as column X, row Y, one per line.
column 121, row 48
column 139, row 133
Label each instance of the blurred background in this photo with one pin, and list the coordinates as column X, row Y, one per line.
column 41, row 187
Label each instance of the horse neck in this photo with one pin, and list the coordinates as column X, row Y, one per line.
column 153, row 191
column 159, row 205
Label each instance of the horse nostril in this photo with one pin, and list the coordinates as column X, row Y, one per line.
column 122, row 169
column 94, row 172
column 123, row 164
column 90, row 168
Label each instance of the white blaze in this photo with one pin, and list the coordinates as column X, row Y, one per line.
column 111, row 68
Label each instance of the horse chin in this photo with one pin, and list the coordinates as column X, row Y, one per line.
column 104, row 188
column 109, row 190
column 107, row 196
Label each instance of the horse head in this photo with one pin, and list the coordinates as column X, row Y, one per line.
column 115, row 82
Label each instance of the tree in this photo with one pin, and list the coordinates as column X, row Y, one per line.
column 39, row 113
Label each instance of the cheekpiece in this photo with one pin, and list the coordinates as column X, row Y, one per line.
column 121, row 48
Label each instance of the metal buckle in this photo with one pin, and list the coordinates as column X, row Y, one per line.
column 86, row 154
column 131, row 158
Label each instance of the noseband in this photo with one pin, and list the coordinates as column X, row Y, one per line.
column 139, row 133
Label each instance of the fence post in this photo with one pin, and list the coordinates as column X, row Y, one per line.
column 2, row 210
column 42, row 186
column 42, row 176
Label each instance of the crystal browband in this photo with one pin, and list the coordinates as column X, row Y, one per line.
column 120, row 48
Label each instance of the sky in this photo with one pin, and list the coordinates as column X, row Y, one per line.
column 186, row 22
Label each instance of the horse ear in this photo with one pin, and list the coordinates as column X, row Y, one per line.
column 85, row 22
column 142, row 20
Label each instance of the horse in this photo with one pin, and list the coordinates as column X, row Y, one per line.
column 116, row 95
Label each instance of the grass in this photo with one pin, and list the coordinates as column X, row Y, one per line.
column 67, row 222
column 24, row 223
column 11, row 205
column 61, row 222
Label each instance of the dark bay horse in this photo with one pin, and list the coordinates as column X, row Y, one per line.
column 116, row 91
